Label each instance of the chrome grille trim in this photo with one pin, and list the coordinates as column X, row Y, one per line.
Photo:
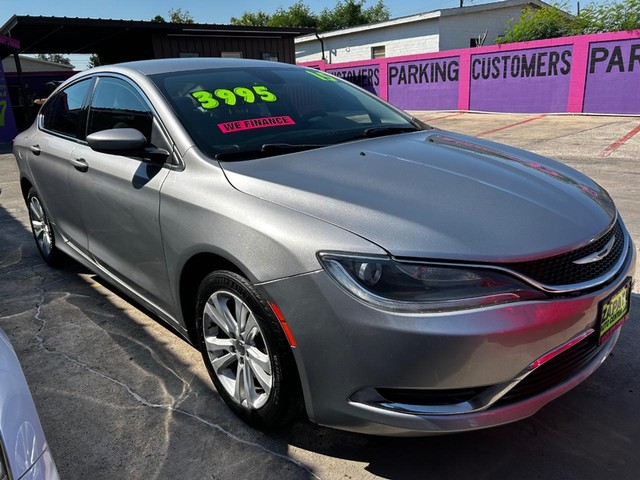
column 582, row 285
column 562, row 269
column 556, row 289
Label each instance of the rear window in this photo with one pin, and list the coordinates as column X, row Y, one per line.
column 242, row 109
column 65, row 112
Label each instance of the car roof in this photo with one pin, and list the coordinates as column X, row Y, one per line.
column 166, row 65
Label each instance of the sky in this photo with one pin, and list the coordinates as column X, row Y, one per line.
column 202, row 11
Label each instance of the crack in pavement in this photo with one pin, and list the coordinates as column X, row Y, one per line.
column 169, row 407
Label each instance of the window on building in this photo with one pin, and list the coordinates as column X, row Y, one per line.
column 270, row 57
column 231, row 55
column 378, row 51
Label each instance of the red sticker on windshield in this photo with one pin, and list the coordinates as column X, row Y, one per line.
column 251, row 123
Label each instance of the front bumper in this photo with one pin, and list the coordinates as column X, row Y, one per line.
column 347, row 353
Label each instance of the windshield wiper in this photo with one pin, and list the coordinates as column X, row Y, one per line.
column 386, row 130
column 266, row 150
column 380, row 131
column 289, row 147
column 240, row 155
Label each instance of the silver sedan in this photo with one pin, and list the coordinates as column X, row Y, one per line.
column 327, row 252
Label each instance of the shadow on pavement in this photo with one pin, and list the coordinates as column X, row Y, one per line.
column 118, row 394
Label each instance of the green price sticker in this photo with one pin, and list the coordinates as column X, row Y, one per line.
column 322, row 76
column 3, row 110
column 210, row 100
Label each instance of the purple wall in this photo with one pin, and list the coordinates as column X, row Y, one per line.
column 365, row 76
column 613, row 77
column 424, row 85
column 535, row 80
column 588, row 73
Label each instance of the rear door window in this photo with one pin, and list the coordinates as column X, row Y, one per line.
column 65, row 113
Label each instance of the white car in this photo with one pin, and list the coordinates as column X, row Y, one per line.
column 24, row 453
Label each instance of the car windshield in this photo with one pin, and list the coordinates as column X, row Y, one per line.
column 238, row 113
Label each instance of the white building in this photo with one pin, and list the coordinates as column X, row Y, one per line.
column 428, row 32
column 30, row 64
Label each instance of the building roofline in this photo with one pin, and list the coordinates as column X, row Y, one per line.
column 147, row 24
column 385, row 24
column 445, row 12
column 29, row 58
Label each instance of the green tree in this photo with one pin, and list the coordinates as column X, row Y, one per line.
column 297, row 15
column 552, row 21
column 54, row 57
column 257, row 19
column 94, row 61
column 176, row 15
column 610, row 17
column 538, row 23
column 346, row 13
column 351, row 13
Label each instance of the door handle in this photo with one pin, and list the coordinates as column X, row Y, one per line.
column 35, row 149
column 79, row 164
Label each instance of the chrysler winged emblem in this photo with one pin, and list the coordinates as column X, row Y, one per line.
column 597, row 256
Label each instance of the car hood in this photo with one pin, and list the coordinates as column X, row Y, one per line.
column 436, row 195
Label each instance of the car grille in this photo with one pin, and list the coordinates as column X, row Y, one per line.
column 554, row 372
column 560, row 269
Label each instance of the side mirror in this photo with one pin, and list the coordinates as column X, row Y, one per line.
column 125, row 141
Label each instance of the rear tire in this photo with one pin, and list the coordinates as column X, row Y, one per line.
column 246, row 352
column 42, row 230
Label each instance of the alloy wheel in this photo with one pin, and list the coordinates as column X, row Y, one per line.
column 40, row 226
column 237, row 350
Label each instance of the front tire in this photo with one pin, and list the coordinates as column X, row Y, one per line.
column 42, row 230
column 246, row 352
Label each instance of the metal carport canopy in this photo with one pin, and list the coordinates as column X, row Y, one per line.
column 119, row 40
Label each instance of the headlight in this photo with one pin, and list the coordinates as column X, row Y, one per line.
column 417, row 287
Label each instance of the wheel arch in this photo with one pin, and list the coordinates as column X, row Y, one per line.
column 25, row 186
column 193, row 272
